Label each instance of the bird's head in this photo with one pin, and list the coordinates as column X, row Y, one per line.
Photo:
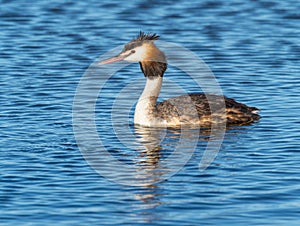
column 143, row 50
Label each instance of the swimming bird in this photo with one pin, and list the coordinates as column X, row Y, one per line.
column 188, row 109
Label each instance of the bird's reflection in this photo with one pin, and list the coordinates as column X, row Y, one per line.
column 164, row 151
column 150, row 139
column 150, row 155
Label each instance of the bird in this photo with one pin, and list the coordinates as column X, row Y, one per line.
column 192, row 109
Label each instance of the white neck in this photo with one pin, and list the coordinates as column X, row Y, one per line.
column 145, row 110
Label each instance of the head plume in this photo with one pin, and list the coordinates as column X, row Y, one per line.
column 140, row 39
column 145, row 37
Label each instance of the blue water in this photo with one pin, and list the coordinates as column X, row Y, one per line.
column 46, row 47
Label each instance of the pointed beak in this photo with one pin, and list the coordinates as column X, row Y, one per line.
column 112, row 60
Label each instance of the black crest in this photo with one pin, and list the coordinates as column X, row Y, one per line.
column 139, row 40
column 146, row 37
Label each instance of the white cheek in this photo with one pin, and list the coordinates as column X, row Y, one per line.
column 137, row 56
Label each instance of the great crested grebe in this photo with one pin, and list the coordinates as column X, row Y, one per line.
column 177, row 110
